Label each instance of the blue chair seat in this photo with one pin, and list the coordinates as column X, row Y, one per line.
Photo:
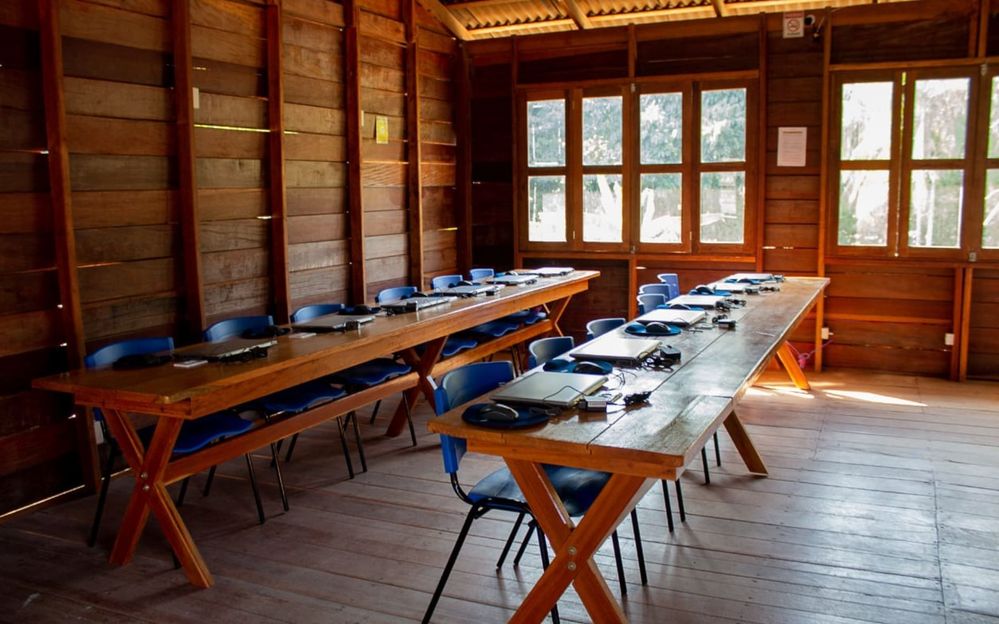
column 495, row 329
column 458, row 343
column 576, row 487
column 302, row 397
column 372, row 373
column 526, row 317
column 199, row 433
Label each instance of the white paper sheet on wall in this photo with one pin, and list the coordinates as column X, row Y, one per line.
column 791, row 146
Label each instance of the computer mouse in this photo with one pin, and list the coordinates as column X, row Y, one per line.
column 661, row 329
column 589, row 368
column 494, row 412
column 512, row 273
column 359, row 309
column 417, row 295
column 465, row 283
column 703, row 290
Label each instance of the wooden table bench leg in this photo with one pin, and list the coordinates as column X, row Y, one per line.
column 794, row 371
column 555, row 311
column 150, row 494
column 424, row 366
column 574, row 545
column 744, row 444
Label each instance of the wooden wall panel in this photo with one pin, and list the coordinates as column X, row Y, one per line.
column 983, row 340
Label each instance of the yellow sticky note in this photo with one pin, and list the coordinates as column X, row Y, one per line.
column 381, row 129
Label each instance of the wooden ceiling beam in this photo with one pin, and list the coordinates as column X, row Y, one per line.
column 447, row 18
column 719, row 7
column 576, row 13
column 512, row 29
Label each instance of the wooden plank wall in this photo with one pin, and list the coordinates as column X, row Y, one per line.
column 127, row 131
column 983, row 340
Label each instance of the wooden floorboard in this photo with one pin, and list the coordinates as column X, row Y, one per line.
column 882, row 506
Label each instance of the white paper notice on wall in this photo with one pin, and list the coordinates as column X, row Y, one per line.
column 792, row 143
column 794, row 24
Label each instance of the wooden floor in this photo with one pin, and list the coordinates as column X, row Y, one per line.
column 882, row 506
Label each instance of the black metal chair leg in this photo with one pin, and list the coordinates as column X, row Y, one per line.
column 544, row 566
column 374, row 412
column 209, row 481
column 473, row 513
column 509, row 540
column 256, row 491
column 679, row 501
column 669, row 508
column 638, row 547
column 704, row 462
column 291, row 448
column 717, row 451
column 523, row 545
column 279, row 477
column 357, row 439
column 102, row 495
column 346, row 450
column 183, row 491
column 620, row 564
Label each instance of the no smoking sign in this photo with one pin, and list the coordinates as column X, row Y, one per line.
column 794, row 24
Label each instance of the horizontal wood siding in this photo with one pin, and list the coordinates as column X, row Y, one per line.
column 983, row 339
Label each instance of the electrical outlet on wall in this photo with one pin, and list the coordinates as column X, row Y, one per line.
column 826, row 333
column 949, row 339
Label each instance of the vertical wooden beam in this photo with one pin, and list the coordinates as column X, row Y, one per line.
column 352, row 106
column 463, row 173
column 964, row 327
column 63, row 234
column 414, row 178
column 761, row 145
column 517, row 157
column 187, row 193
column 820, row 268
column 980, row 28
column 275, row 115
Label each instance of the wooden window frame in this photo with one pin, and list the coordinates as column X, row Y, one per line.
column 974, row 226
column 527, row 172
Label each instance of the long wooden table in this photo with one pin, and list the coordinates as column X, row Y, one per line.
column 174, row 395
column 641, row 444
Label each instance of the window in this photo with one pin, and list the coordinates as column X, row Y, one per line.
column 990, row 209
column 902, row 162
column 673, row 175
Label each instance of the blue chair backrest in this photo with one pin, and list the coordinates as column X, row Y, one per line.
column 444, row 281
column 461, row 386
column 230, row 328
column 673, row 281
column 655, row 289
column 309, row 312
column 481, row 274
column 545, row 349
column 394, row 294
column 108, row 354
column 647, row 303
column 599, row 327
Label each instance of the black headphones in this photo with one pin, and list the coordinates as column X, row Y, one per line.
column 269, row 331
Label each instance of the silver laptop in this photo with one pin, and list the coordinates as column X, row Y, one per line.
column 547, row 388
column 334, row 322
column 752, row 277
column 613, row 348
column 515, row 280
column 736, row 287
column 415, row 303
column 468, row 291
column 225, row 349
column 680, row 318
column 704, row 301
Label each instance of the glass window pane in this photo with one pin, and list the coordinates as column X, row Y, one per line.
column 940, row 118
column 662, row 128
column 935, row 208
column 661, row 201
column 990, row 223
column 546, row 208
column 866, row 130
column 723, row 125
column 723, row 207
column 994, row 121
column 602, row 131
column 546, row 133
column 863, row 208
column 602, row 213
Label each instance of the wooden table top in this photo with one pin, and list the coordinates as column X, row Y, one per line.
column 193, row 392
column 686, row 406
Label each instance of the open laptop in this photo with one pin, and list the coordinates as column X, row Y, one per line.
column 613, row 348
column 680, row 318
column 334, row 322
column 703, row 301
column 225, row 349
column 414, row 304
column 547, row 388
column 547, row 271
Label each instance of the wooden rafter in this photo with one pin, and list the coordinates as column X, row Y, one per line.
column 576, row 13
column 719, row 7
column 447, row 18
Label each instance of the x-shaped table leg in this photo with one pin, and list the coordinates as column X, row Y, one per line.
column 424, row 366
column 574, row 545
column 791, row 366
column 150, row 494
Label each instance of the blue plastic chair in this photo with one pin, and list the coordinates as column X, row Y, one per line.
column 673, row 281
column 656, row 289
column 194, row 434
column 499, row 491
column 647, row 303
column 545, row 349
column 599, row 327
column 444, row 281
column 396, row 293
column 477, row 275
column 309, row 312
column 234, row 327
